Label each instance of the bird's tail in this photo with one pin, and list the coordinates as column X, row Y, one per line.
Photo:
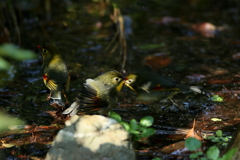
column 56, row 94
column 72, row 110
column 55, row 98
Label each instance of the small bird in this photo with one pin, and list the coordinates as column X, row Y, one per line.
column 152, row 87
column 98, row 95
column 55, row 74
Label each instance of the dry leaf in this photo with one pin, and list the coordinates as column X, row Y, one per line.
column 192, row 133
column 158, row 60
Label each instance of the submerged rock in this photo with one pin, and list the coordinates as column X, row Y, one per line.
column 92, row 137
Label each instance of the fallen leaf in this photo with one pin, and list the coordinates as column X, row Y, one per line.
column 206, row 29
column 173, row 147
column 158, row 60
column 192, row 133
column 216, row 119
column 7, row 145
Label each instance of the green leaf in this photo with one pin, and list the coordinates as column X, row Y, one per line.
column 203, row 158
column 216, row 139
column 148, row 132
column 115, row 116
column 216, row 98
column 12, row 51
column 216, row 119
column 213, row 153
column 151, row 46
column 133, row 125
column 192, row 143
column 219, row 133
column 225, row 144
column 141, row 128
column 229, row 154
column 4, row 65
column 199, row 153
column 8, row 121
column 146, row 121
column 193, row 156
column 133, row 132
column 156, row 158
column 225, row 139
column 211, row 137
column 125, row 125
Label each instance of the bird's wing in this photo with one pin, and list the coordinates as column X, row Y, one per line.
column 90, row 97
column 51, row 84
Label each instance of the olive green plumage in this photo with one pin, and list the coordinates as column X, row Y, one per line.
column 98, row 95
column 150, row 86
column 55, row 73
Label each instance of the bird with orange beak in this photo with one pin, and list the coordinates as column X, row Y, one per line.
column 151, row 86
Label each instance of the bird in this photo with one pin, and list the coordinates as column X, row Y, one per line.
column 98, row 95
column 54, row 74
column 151, row 87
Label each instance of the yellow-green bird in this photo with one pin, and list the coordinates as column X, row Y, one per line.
column 151, row 87
column 55, row 74
column 98, row 95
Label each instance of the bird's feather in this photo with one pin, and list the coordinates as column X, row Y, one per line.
column 89, row 99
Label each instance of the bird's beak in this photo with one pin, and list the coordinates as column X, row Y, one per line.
column 129, row 86
column 119, row 87
column 40, row 47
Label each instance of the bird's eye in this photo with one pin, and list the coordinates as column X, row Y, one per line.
column 44, row 51
column 129, row 81
column 117, row 79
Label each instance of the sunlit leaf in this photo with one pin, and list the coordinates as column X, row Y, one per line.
column 134, row 132
column 219, row 133
column 125, row 125
column 4, row 65
column 115, row 116
column 192, row 143
column 229, row 154
column 216, row 119
column 7, row 121
column 7, row 145
column 147, row 121
column 216, row 98
column 213, row 153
